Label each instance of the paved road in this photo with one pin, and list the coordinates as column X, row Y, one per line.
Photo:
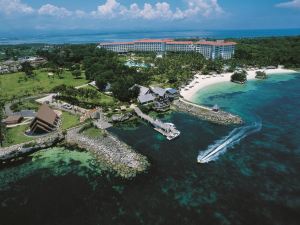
column 7, row 106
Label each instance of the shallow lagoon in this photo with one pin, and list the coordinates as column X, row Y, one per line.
column 256, row 182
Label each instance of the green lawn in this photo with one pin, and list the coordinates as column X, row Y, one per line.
column 101, row 98
column 16, row 135
column 93, row 132
column 89, row 87
column 105, row 99
column 69, row 120
column 16, row 85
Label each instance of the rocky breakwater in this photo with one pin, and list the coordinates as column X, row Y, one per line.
column 205, row 113
column 16, row 151
column 110, row 151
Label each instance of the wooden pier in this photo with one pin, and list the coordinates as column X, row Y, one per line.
column 167, row 129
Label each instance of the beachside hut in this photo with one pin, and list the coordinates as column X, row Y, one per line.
column 216, row 108
column 45, row 121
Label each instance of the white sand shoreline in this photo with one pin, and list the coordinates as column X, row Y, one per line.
column 199, row 83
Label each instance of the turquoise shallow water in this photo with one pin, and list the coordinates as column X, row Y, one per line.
column 255, row 182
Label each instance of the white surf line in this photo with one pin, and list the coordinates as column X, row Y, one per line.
column 230, row 140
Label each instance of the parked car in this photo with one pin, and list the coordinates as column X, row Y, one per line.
column 67, row 106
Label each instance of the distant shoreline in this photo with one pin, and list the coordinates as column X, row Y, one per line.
column 190, row 90
column 93, row 37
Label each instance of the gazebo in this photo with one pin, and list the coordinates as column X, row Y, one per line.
column 216, row 108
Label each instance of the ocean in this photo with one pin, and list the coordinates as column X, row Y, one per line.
column 254, row 181
column 95, row 37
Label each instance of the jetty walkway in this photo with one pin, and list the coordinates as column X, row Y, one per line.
column 167, row 129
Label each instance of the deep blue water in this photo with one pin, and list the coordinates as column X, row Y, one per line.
column 255, row 182
column 95, row 37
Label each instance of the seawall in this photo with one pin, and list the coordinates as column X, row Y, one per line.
column 111, row 151
column 205, row 113
column 15, row 151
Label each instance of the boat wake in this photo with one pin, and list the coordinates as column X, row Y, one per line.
column 219, row 147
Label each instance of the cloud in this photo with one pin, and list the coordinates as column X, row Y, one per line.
column 80, row 13
column 14, row 6
column 160, row 10
column 53, row 10
column 203, row 7
column 295, row 4
column 114, row 9
column 107, row 9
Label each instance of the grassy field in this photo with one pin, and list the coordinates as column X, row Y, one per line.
column 93, row 132
column 69, row 120
column 16, row 85
column 107, row 100
column 16, row 135
column 101, row 98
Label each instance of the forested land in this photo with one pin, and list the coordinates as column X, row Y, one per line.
column 171, row 70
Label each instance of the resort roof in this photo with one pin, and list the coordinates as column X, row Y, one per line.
column 117, row 43
column 159, row 91
column 215, row 43
column 170, row 41
column 46, row 114
column 153, row 40
column 13, row 119
column 46, row 120
column 146, row 98
column 39, row 125
column 143, row 90
column 180, row 42
column 171, row 90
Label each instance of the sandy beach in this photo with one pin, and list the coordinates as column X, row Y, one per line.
column 201, row 81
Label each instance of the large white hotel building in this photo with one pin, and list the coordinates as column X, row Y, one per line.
column 209, row 49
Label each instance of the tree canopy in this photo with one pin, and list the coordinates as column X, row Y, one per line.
column 268, row 51
column 27, row 68
column 239, row 77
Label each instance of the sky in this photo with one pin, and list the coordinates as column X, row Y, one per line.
column 134, row 15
